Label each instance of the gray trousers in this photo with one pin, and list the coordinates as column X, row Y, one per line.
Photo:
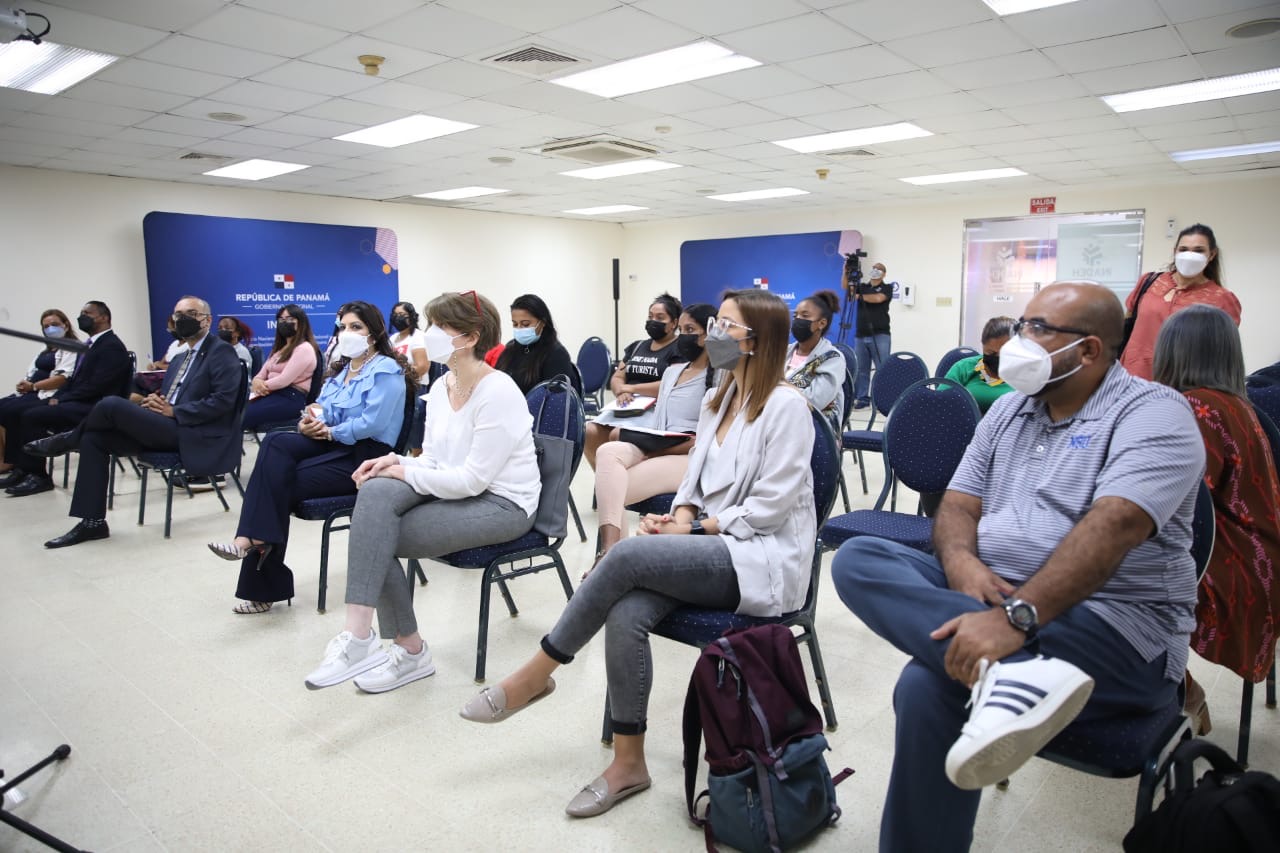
column 634, row 587
column 391, row 520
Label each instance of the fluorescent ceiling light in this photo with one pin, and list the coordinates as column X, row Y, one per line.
column 47, row 68
column 851, row 138
column 634, row 167
column 1191, row 93
column 695, row 61
column 608, row 208
column 954, row 177
column 460, row 192
column 402, row 131
column 755, row 195
column 1228, row 151
column 1013, row 7
column 256, row 170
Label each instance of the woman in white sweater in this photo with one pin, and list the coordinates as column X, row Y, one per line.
column 740, row 538
column 476, row 483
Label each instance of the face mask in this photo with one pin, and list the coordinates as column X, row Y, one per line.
column 1028, row 368
column 876, row 275
column 54, row 332
column 185, row 327
column 85, row 324
column 687, row 347
column 722, row 350
column 399, row 322
column 1190, row 264
column 656, row 329
column 439, row 343
column 352, row 344
column 286, row 327
column 801, row 330
column 992, row 363
column 226, row 334
column 526, row 335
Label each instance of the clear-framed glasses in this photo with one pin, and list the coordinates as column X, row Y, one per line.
column 193, row 313
column 724, row 324
column 1041, row 329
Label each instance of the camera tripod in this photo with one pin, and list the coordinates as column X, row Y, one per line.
column 23, row 826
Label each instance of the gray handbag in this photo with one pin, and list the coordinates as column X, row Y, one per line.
column 555, row 464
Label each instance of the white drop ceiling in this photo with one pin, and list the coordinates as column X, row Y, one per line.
column 1020, row 91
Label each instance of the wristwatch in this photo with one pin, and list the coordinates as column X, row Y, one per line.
column 696, row 528
column 1022, row 615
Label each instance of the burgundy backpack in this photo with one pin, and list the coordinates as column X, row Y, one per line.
column 768, row 786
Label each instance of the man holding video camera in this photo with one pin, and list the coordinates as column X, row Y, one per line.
column 872, row 344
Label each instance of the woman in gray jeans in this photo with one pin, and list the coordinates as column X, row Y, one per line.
column 737, row 539
column 476, row 483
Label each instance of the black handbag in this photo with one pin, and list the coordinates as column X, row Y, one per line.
column 1132, row 318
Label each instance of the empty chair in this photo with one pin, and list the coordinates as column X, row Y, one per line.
column 951, row 357
column 596, row 366
column 896, row 375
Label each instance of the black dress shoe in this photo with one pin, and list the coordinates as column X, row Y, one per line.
column 11, row 478
column 80, row 533
column 54, row 445
column 32, row 484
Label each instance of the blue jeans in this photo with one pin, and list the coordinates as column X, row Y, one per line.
column 902, row 595
column 873, row 349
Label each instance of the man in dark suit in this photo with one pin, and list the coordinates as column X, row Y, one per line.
column 102, row 371
column 194, row 413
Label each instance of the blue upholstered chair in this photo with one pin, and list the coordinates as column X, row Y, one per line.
column 925, row 438
column 898, row 373
column 949, row 359
column 595, row 365
column 539, row 549
column 696, row 626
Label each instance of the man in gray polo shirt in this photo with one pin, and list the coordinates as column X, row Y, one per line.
column 1065, row 532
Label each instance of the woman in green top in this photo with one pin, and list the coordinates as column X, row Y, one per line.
column 980, row 375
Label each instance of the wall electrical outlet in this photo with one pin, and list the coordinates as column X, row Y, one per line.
column 942, row 302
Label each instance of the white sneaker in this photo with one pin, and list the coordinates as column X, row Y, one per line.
column 1017, row 709
column 399, row 669
column 344, row 657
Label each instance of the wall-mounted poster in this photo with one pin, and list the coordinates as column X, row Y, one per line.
column 1007, row 261
column 250, row 268
column 792, row 266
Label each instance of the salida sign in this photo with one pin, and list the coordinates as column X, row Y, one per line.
column 1048, row 204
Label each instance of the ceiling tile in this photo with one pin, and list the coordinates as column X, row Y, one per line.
column 972, row 121
column 188, row 126
column 311, row 127
column 1145, row 75
column 320, row 79
column 445, row 31
column 209, row 56
column 1246, row 104
column 793, row 38
column 1183, row 113
column 393, row 93
column 353, row 112
column 847, row 66
column 854, row 118
column 475, row 111
column 736, row 115
column 1222, row 124
column 533, row 17
column 1115, row 51
column 1190, row 10
column 400, row 60
column 752, row 83
column 1240, row 59
column 465, row 78
column 919, row 110
column 821, row 100
column 1026, row 66
column 201, row 108
column 715, row 17
column 682, row 98
column 897, row 87
column 622, row 33
column 1211, row 33
column 268, row 97
column 156, row 14
column 280, row 35
column 1086, row 19
column 962, row 44
column 335, row 13
column 268, row 138
column 95, row 32
column 788, row 128
column 110, row 114
column 63, row 124
column 1077, row 108
column 1056, row 128
column 101, row 92
column 157, row 137
column 163, row 78
column 1030, row 92
column 608, row 113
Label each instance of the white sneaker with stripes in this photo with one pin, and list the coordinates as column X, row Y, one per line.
column 1017, row 709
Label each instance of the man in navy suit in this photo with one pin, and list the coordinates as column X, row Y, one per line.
column 102, row 371
column 194, row 413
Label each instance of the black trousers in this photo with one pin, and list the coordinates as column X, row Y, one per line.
column 11, row 409
column 290, row 468
column 37, row 422
column 114, row 425
column 281, row 406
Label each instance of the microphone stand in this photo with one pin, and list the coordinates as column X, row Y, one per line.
column 56, row 343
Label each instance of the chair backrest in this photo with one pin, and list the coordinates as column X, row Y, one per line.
column 317, row 378
column 406, row 424
column 255, row 359
column 575, row 377
column 127, row 387
column 1203, row 529
column 824, row 461
column 895, row 375
column 850, row 357
column 928, row 431
column 847, row 388
column 594, row 364
column 951, row 357
column 557, row 414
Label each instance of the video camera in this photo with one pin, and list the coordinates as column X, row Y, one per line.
column 853, row 268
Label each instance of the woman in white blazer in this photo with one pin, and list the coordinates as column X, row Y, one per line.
column 739, row 538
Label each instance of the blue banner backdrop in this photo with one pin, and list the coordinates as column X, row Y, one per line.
column 250, row 268
column 792, row 266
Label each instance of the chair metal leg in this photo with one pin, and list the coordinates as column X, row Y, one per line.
column 1271, row 687
column 111, row 482
column 66, row 469
column 168, row 505
column 506, row 594
column 844, row 487
column 820, row 676
column 606, row 727
column 482, row 630
column 862, row 469
column 1246, row 724
column 217, row 490
column 416, row 567
column 142, row 497
column 577, row 519
column 564, row 578
column 324, row 564
column 235, row 478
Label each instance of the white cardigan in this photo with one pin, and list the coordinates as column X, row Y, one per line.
column 766, row 515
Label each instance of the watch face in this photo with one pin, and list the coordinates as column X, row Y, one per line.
column 1022, row 615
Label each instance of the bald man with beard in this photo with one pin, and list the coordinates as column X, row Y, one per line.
column 1061, row 586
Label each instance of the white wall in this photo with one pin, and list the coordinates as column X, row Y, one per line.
column 922, row 244
column 68, row 238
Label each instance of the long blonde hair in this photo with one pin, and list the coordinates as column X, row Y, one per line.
column 770, row 322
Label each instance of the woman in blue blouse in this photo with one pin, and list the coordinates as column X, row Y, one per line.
column 357, row 417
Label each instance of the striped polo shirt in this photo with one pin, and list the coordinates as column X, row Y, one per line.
column 1037, row 478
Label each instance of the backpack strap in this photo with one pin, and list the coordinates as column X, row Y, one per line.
column 692, row 726
column 1142, row 291
column 775, row 755
column 766, row 800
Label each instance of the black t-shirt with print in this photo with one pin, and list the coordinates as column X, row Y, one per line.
column 645, row 364
column 873, row 317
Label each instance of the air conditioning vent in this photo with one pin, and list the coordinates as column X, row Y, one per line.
column 598, row 150
column 534, row 60
column 200, row 155
column 850, row 152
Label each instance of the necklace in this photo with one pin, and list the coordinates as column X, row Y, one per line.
column 459, row 394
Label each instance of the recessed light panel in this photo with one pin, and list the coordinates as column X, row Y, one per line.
column 1013, row 7
column 608, row 208
column 956, row 177
column 255, row 170
column 403, row 131
column 460, row 192
column 853, row 138
column 1227, row 151
column 756, row 195
column 1200, row 90
column 48, row 68
column 616, row 170
column 695, row 61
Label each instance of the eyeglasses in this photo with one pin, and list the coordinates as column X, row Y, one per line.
column 724, row 324
column 1040, row 329
column 192, row 313
column 475, row 297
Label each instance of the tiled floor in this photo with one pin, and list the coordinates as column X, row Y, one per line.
column 191, row 729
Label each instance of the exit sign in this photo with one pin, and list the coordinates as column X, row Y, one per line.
column 1044, row 205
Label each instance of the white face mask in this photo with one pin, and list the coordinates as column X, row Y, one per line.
column 1190, row 264
column 352, row 344
column 1027, row 367
column 439, row 344
column 877, row 274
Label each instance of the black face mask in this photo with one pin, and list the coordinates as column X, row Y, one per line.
column 801, row 330
column 185, row 327
column 992, row 363
column 85, row 324
column 226, row 334
column 687, row 347
column 286, row 327
column 656, row 329
column 399, row 322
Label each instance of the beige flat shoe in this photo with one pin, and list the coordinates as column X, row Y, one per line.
column 490, row 704
column 595, row 798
